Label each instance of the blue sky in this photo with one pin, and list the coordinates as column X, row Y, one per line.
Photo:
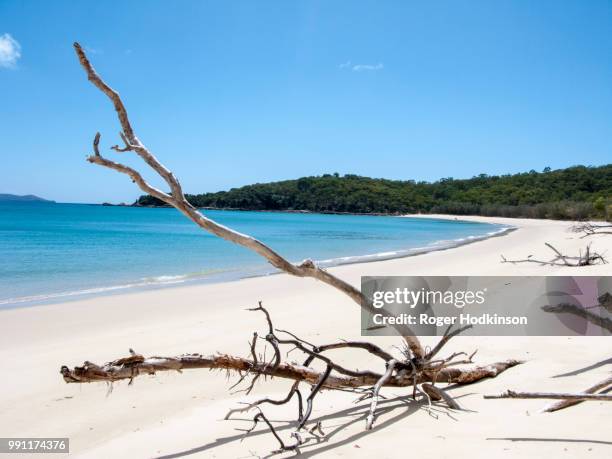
column 228, row 93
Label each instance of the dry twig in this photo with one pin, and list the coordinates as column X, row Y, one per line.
column 583, row 259
column 568, row 308
column 176, row 199
column 591, row 229
column 601, row 387
column 556, row 396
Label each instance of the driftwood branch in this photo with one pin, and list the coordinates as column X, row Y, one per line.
column 128, row 368
column 595, row 392
column 113, row 371
column 605, row 301
column 568, row 308
column 591, row 229
column 448, row 334
column 376, row 392
column 399, row 373
column 555, row 396
column 583, row 259
column 176, row 199
column 293, row 391
column 602, row 387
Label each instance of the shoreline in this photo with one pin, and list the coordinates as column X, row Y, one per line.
column 329, row 212
column 232, row 275
column 176, row 415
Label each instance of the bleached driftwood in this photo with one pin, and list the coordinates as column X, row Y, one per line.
column 596, row 392
column 402, row 372
column 568, row 308
column 591, row 229
column 601, row 387
column 583, row 259
column 176, row 199
column 552, row 395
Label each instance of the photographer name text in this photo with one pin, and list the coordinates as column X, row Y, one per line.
column 461, row 319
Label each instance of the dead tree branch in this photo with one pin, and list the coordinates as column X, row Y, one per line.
column 176, row 199
column 583, row 259
column 399, row 373
column 112, row 371
column 445, row 339
column 249, row 406
column 376, row 392
column 590, row 229
column 605, row 301
column 568, row 308
column 601, row 387
column 435, row 393
column 555, row 396
column 571, row 399
column 427, row 371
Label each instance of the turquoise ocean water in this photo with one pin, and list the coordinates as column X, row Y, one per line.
column 55, row 252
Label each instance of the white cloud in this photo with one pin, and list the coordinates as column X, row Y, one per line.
column 91, row 50
column 361, row 67
column 10, row 51
column 367, row 67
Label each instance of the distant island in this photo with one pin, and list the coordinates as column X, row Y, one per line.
column 4, row 197
column 574, row 193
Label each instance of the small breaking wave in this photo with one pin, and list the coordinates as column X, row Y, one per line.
column 433, row 247
column 219, row 275
column 160, row 281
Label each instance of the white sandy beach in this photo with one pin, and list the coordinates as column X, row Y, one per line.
column 180, row 415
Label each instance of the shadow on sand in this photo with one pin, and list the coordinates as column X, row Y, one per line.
column 403, row 405
column 585, row 369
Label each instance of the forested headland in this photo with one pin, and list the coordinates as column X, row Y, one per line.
column 575, row 193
